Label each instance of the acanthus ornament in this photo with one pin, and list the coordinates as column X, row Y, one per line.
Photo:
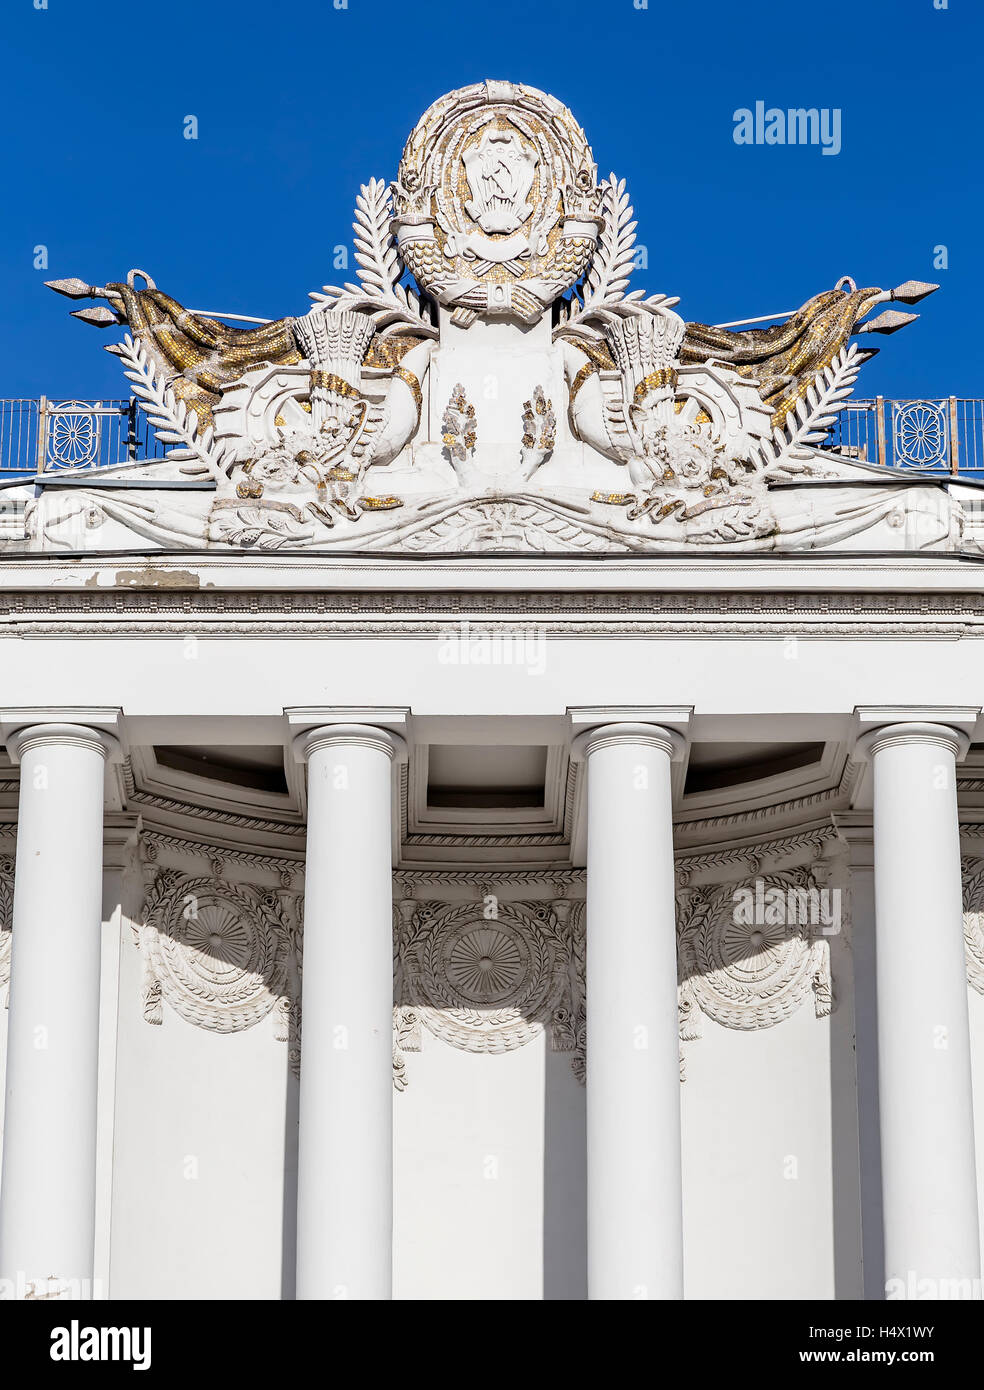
column 459, row 427
column 539, row 432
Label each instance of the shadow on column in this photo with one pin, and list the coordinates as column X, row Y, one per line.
column 288, row 1262
column 869, row 1122
column 565, row 1246
column 845, row 1174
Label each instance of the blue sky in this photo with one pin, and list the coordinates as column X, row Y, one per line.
column 299, row 103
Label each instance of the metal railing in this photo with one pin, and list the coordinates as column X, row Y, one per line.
column 945, row 435
column 929, row 436
column 44, row 436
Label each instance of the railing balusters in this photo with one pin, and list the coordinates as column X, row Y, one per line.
column 42, row 433
column 880, row 412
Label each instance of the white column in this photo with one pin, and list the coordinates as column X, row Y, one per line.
column 925, row 1095
column 345, row 1148
column 635, row 1223
column 48, row 1188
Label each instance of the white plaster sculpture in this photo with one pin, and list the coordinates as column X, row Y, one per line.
column 492, row 383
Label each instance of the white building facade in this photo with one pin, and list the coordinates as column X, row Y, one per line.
column 497, row 809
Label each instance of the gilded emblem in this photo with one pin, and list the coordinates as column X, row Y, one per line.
column 498, row 207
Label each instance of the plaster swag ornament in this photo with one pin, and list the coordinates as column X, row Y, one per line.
column 493, row 281
column 6, row 922
column 222, row 955
column 973, row 895
column 488, row 985
column 750, row 974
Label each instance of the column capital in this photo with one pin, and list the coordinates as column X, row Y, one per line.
column 589, row 741
column 51, row 734
column 942, row 736
column 872, row 721
column 350, row 735
column 592, row 725
column 344, row 723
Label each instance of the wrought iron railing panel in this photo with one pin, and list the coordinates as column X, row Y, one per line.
column 944, row 435
column 44, row 435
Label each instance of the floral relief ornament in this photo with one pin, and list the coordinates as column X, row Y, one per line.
column 750, row 974
column 222, row 955
column 488, row 985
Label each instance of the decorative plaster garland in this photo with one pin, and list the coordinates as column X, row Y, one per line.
column 222, row 955
column 6, row 921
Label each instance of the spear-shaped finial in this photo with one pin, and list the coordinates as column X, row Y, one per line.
column 913, row 290
column 73, row 288
column 888, row 322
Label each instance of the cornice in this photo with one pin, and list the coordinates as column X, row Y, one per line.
column 555, row 612
column 755, row 852
column 285, row 864
column 481, row 878
column 194, row 569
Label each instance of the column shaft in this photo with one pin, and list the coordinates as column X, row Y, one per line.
column 47, row 1197
column 635, row 1235
column 345, row 1150
column 925, row 1095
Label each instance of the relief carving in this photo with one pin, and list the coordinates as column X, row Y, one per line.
column 973, row 921
column 6, row 922
column 222, row 955
column 489, row 985
column 751, row 970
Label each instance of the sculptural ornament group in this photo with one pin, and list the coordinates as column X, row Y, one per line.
column 489, row 381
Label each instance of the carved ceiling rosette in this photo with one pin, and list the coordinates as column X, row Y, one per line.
column 751, row 970
column 222, row 955
column 488, row 985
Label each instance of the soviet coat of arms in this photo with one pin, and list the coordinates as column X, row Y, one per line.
column 489, row 382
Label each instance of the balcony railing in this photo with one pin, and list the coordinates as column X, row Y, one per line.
column 931, row 436
column 44, row 436
column 925, row 436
